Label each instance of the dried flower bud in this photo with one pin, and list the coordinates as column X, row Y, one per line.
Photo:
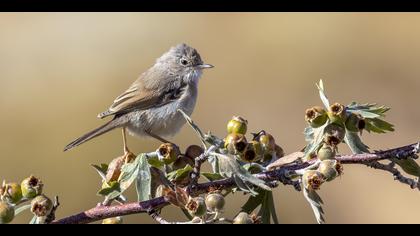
column 355, row 123
column 235, row 143
column 196, row 206
column 326, row 152
column 11, row 192
column 337, row 113
column 253, row 152
column 31, row 187
column 268, row 142
column 168, row 153
column 312, row 179
column 215, row 202
column 41, row 206
column 7, row 213
column 194, row 151
column 334, row 134
column 242, row 218
column 330, row 169
column 237, row 125
column 113, row 221
column 316, row 116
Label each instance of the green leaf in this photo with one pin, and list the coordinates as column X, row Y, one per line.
column 143, row 180
column 214, row 162
column 180, row 174
column 271, row 205
column 355, row 143
column 108, row 188
column 212, row 176
column 367, row 110
column 322, row 95
column 264, row 211
column 253, row 168
column 22, row 208
column 317, row 138
column 316, row 204
column 155, row 162
column 229, row 167
column 101, row 169
column 378, row 126
column 254, row 201
column 408, row 165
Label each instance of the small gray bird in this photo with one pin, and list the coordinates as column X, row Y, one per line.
column 149, row 107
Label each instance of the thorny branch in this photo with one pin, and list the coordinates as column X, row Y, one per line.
column 282, row 175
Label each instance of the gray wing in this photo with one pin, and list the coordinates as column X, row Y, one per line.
column 140, row 97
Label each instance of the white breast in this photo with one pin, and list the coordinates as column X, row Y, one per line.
column 165, row 120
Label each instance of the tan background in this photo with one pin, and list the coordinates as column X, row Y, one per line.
column 58, row 70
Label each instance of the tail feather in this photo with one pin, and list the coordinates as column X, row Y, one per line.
column 94, row 133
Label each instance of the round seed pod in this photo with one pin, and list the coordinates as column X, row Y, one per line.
column 113, row 221
column 355, row 123
column 237, row 125
column 253, row 152
column 334, row 134
column 7, row 213
column 193, row 151
column 41, row 206
column 312, row 179
column 330, row 169
column 316, row 116
column 31, row 187
column 337, row 113
column 242, row 218
column 235, row 143
column 215, row 202
column 12, row 193
column 197, row 206
column 168, row 153
column 326, row 152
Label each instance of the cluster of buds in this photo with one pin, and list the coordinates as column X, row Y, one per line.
column 13, row 194
column 262, row 147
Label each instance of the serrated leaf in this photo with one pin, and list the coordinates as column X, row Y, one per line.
column 380, row 126
column 229, row 167
column 143, row 180
column 355, row 143
column 408, row 165
column 322, row 95
column 101, row 169
column 22, row 208
column 367, row 110
column 212, row 176
column 180, row 174
column 316, row 204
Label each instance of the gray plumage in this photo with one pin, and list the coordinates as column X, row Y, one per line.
column 150, row 104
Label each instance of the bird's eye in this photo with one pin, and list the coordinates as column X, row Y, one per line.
column 184, row 62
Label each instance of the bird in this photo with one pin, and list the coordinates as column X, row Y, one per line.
column 149, row 107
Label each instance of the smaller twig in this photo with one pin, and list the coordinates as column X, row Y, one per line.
column 156, row 216
column 51, row 217
column 397, row 174
column 195, row 174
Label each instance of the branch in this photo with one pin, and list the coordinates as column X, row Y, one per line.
column 282, row 174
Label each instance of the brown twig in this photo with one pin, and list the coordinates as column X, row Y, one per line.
column 282, row 174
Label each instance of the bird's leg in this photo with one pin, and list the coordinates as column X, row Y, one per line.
column 125, row 141
column 157, row 137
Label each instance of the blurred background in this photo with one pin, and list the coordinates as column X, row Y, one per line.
column 59, row 70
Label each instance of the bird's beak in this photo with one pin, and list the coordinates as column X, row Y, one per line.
column 205, row 66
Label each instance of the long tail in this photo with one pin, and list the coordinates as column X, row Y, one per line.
column 116, row 122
